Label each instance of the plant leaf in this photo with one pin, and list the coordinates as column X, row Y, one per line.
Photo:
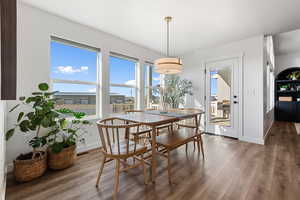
column 43, row 86
column 13, row 108
column 37, row 93
column 9, row 133
column 21, row 114
column 22, row 98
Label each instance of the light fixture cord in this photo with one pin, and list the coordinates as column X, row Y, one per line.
column 168, row 38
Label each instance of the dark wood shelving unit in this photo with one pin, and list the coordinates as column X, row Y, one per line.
column 287, row 110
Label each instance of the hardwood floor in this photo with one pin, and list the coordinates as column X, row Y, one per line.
column 232, row 170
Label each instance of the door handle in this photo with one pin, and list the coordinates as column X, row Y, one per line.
column 235, row 102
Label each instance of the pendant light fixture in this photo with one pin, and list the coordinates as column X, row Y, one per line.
column 168, row 65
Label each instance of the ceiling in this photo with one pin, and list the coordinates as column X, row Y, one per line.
column 197, row 23
column 287, row 43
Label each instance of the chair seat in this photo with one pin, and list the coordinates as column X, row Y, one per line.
column 123, row 149
column 177, row 138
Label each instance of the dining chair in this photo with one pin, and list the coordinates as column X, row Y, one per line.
column 117, row 146
column 193, row 123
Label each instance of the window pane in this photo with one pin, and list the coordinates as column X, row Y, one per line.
column 152, row 80
column 77, row 97
column 220, row 93
column 73, row 63
column 152, row 98
column 121, row 99
column 122, row 71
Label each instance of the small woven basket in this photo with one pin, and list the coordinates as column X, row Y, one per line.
column 63, row 159
column 27, row 170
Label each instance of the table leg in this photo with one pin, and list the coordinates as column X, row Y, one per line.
column 153, row 161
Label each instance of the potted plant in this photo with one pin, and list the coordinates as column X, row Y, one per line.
column 174, row 90
column 42, row 115
column 63, row 137
column 283, row 87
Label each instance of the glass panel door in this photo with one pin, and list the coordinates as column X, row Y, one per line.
column 220, row 93
column 222, row 97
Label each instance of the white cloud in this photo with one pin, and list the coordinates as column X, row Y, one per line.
column 92, row 90
column 130, row 82
column 156, row 78
column 71, row 69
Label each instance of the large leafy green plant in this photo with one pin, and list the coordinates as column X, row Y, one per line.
column 63, row 124
column 67, row 132
column 41, row 114
column 174, row 90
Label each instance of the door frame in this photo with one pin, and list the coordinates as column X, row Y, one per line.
column 240, row 58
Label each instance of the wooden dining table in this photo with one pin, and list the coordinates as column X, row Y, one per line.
column 153, row 119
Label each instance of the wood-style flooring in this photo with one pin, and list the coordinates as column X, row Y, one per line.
column 232, row 170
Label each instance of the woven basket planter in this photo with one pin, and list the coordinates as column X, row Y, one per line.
column 27, row 170
column 63, row 159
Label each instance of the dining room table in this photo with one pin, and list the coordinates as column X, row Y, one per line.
column 154, row 119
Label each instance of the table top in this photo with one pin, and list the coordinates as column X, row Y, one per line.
column 155, row 117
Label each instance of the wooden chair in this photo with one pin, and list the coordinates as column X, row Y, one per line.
column 117, row 146
column 193, row 123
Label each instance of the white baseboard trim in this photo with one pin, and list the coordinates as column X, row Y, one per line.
column 84, row 148
column 297, row 126
column 268, row 131
column 253, row 140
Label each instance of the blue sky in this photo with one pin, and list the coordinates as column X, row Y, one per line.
column 72, row 63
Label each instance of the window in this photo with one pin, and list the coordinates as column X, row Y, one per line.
column 122, row 83
column 74, row 74
column 152, row 81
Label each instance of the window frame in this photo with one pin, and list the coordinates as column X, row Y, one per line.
column 96, row 84
column 148, row 69
column 135, row 87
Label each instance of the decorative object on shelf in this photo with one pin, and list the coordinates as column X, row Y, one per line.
column 32, row 165
column 63, row 138
column 285, row 98
column 173, row 91
column 283, row 87
column 294, row 75
column 168, row 65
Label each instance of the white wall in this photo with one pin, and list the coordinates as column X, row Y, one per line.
column 2, row 150
column 33, row 39
column 252, row 93
column 284, row 61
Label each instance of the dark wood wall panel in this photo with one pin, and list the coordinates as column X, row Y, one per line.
column 8, row 20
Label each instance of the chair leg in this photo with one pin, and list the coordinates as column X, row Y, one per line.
column 144, row 170
column 169, row 166
column 186, row 147
column 117, row 174
column 198, row 144
column 202, row 149
column 100, row 171
column 136, row 138
column 194, row 145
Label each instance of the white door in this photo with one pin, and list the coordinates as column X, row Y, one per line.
column 222, row 97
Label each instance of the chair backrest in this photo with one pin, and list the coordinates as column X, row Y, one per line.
column 114, row 135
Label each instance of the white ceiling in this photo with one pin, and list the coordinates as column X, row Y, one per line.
column 288, row 42
column 197, row 23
